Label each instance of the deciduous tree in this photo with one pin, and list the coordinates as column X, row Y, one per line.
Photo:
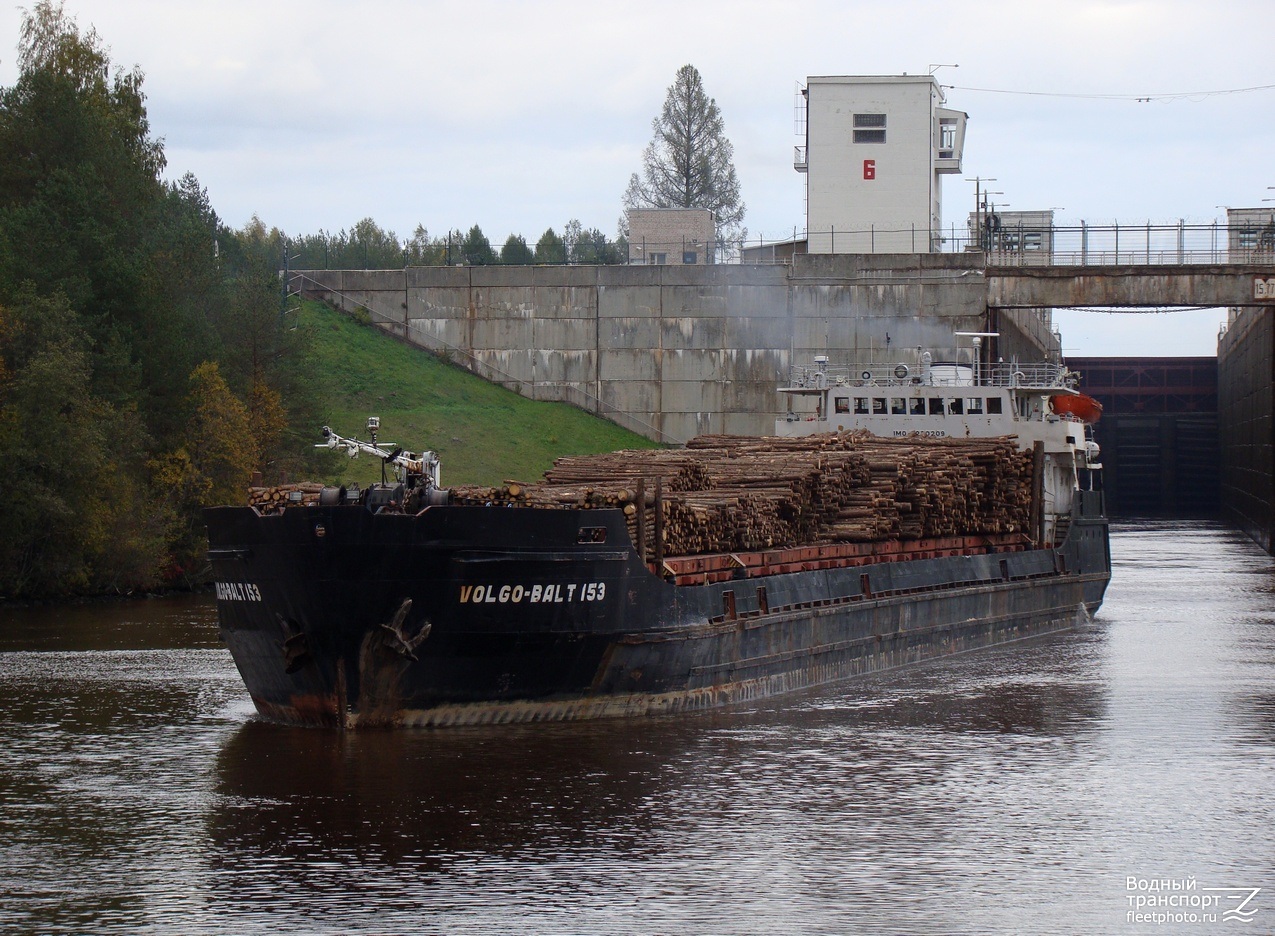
column 219, row 439
column 421, row 250
column 79, row 172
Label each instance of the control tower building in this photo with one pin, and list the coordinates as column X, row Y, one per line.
column 876, row 151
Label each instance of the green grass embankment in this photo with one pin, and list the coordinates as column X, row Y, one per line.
column 483, row 433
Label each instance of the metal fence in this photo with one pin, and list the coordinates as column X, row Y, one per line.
column 1082, row 245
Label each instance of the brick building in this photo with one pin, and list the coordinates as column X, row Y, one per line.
column 676, row 236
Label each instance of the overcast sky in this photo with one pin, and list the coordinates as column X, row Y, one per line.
column 521, row 116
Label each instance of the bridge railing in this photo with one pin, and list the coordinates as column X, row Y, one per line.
column 1131, row 245
column 1085, row 244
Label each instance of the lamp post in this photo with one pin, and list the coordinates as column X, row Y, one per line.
column 978, row 201
column 991, row 221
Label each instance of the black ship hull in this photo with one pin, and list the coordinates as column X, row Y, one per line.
column 466, row 615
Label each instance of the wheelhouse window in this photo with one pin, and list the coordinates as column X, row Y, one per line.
column 936, row 406
column 974, row 406
column 955, row 406
column 994, row 406
column 861, row 406
column 898, row 406
column 917, row 406
column 842, row 404
column 878, row 406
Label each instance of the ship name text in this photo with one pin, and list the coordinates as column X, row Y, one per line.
column 237, row 591
column 557, row 593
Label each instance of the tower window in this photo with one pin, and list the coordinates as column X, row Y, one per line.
column 869, row 128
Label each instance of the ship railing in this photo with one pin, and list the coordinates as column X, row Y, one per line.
column 1030, row 376
column 1042, row 376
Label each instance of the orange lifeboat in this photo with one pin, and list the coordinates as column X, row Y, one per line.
column 1081, row 406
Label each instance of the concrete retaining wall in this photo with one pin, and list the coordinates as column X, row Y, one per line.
column 673, row 352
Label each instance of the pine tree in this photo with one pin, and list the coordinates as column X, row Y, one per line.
column 550, row 248
column 476, row 248
column 516, row 251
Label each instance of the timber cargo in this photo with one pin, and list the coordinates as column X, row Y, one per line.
column 668, row 581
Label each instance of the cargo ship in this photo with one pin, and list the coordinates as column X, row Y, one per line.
column 729, row 571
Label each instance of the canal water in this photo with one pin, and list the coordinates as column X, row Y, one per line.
column 1063, row 785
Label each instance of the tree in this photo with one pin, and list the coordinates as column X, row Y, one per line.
column 77, row 514
column 372, row 248
column 114, row 285
column 689, row 163
column 79, row 172
column 590, row 245
column 617, row 250
column 422, row 250
column 516, row 251
column 571, row 235
column 476, row 248
column 213, row 464
column 219, row 439
column 263, row 353
column 179, row 330
column 550, row 248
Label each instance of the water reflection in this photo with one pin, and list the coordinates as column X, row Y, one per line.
column 388, row 796
column 173, row 622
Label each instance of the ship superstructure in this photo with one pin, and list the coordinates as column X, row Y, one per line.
column 1038, row 404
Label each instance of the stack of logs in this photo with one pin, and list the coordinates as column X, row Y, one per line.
column 736, row 493
column 274, row 499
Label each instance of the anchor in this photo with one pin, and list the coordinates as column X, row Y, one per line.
column 402, row 644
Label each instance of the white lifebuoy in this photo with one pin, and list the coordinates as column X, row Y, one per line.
column 901, row 371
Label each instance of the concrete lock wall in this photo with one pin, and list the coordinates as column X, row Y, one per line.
column 674, row 352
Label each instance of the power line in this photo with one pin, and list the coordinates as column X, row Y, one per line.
column 1138, row 98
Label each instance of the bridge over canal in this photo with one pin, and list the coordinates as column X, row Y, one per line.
column 1136, row 267
column 1132, row 287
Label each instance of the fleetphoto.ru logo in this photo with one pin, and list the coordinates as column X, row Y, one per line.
column 1183, row 900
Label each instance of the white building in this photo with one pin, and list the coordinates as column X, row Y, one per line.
column 876, row 150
